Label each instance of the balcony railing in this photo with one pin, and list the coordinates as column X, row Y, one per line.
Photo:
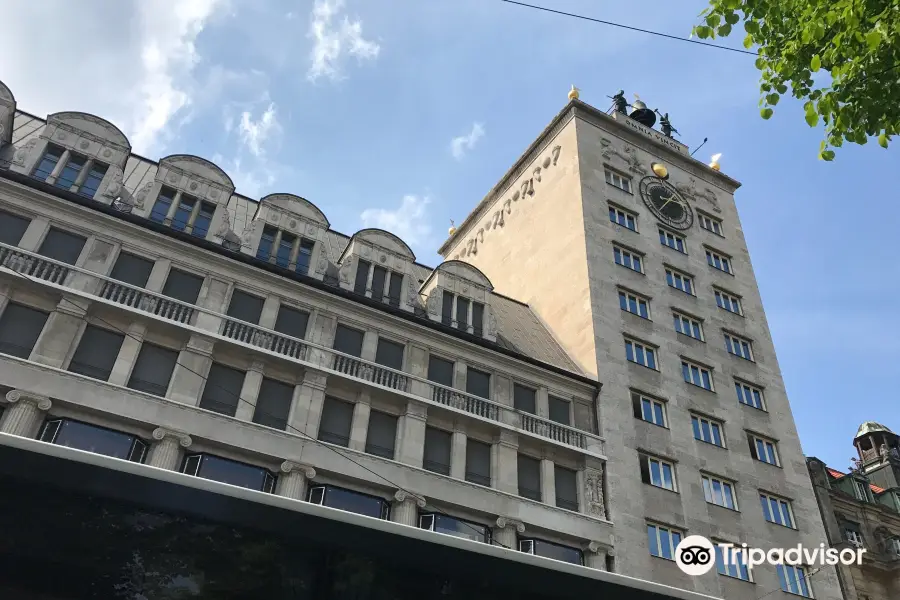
column 81, row 282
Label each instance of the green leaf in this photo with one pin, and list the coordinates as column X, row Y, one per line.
column 760, row 63
column 766, row 113
column 827, row 155
column 782, row 89
column 733, row 4
column 724, row 30
column 713, row 20
column 815, row 64
column 873, row 38
column 812, row 119
column 751, row 27
column 883, row 140
column 703, row 31
column 732, row 18
column 748, row 41
column 772, row 99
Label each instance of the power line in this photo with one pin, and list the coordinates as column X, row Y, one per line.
column 205, row 379
column 628, row 27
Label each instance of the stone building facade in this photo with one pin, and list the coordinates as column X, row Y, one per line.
column 150, row 312
column 660, row 304
column 861, row 509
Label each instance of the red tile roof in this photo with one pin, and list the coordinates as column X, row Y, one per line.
column 837, row 475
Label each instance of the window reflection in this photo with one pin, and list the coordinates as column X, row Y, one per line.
column 233, row 472
column 455, row 527
column 355, row 502
column 91, row 438
column 554, row 551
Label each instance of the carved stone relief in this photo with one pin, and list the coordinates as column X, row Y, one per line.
column 524, row 190
column 412, row 293
column 693, row 193
column 434, row 301
column 226, row 223
column 322, row 266
column 142, row 194
column 593, row 492
column 114, row 187
column 23, row 152
column 345, row 272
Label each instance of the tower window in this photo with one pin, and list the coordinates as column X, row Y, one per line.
column 623, row 182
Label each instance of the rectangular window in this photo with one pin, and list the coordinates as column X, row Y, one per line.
column 229, row 471
column 749, row 395
column 362, row 277
column 437, row 451
column 649, row 409
column 663, row 540
column 389, row 354
column 550, row 550
column 697, row 375
column 634, row 304
column 337, row 418
column 861, row 489
column 379, row 276
column 304, row 256
column 447, row 308
column 777, row 510
column 719, row 261
column 477, row 319
column 162, row 205
column 728, row 302
column 732, row 564
column 266, row 242
column 62, row 246
column 347, row 500
column 153, row 369
column 222, row 392
column 382, row 434
column 94, row 177
column 529, row 471
column 719, row 491
column 620, row 181
column 48, row 162
column 478, row 383
column 628, row 259
column 182, row 286
column 739, row 346
column 395, row 289
column 132, row 269
column 202, row 220
column 707, row 430
column 794, row 580
column 710, row 223
column 183, row 213
column 91, row 438
column 462, row 313
column 478, row 462
column 854, row 537
column 284, row 250
column 292, row 322
column 559, row 410
column 688, row 326
column 455, row 527
column 12, row 228
column 675, row 242
column 245, row 307
column 349, row 341
column 440, row 371
column 640, row 353
column 566, row 488
column 96, row 353
column 524, row 399
column 20, row 327
column 763, row 450
column 657, row 472
column 622, row 217
column 273, row 405
column 680, row 281
column 67, row 177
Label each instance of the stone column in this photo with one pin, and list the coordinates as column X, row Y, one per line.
column 369, row 346
column 359, row 428
column 128, row 353
column 458, row 454
column 34, row 234
column 294, row 480
column 246, row 405
column 191, row 369
column 99, row 261
column 412, row 434
column 158, row 275
column 595, row 557
column 404, row 508
column 166, row 452
column 213, row 300
column 23, row 415
column 308, row 400
column 460, row 371
column 507, row 531
column 505, row 462
column 59, row 333
column 548, row 482
column 270, row 312
column 323, row 330
column 417, row 365
column 542, row 402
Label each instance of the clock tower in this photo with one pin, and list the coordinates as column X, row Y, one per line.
column 633, row 254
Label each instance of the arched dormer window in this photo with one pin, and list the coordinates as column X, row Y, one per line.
column 376, row 264
column 288, row 231
column 459, row 296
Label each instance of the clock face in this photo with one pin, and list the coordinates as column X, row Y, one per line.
column 666, row 203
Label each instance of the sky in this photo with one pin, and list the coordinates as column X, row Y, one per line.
column 402, row 114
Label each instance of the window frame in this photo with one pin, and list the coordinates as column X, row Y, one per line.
column 662, row 462
column 724, row 569
column 744, row 386
column 734, row 341
column 625, row 297
column 861, row 490
column 671, row 531
column 707, row 482
column 624, row 214
column 610, row 175
column 716, row 223
column 800, row 574
column 639, row 401
column 665, row 234
column 754, row 438
column 725, row 261
column 721, row 295
column 634, row 257
column 50, row 428
column 689, row 364
column 681, row 317
column 782, row 504
column 711, row 422
column 672, row 273
column 648, row 351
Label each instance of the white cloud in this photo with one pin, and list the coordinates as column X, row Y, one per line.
column 255, row 134
column 335, row 37
column 131, row 63
column 407, row 221
column 253, row 181
column 462, row 144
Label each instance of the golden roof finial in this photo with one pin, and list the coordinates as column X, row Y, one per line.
column 573, row 93
column 452, row 229
column 714, row 162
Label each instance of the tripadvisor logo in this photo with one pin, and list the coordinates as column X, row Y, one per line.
column 696, row 555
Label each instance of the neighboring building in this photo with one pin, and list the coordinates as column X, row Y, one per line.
column 861, row 509
column 644, row 277
column 150, row 313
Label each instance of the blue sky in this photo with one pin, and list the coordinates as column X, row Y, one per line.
column 355, row 104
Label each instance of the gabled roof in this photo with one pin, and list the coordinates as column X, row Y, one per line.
column 838, row 475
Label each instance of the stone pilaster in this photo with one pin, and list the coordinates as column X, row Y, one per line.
column 294, row 480
column 506, row 532
column 359, row 428
column 412, row 434
column 458, row 454
column 594, row 493
column 60, row 331
column 249, row 397
column 23, row 416
column 166, row 452
column 128, row 353
column 548, row 482
column 595, row 556
column 309, row 397
column 404, row 509
column 505, row 462
column 192, row 367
